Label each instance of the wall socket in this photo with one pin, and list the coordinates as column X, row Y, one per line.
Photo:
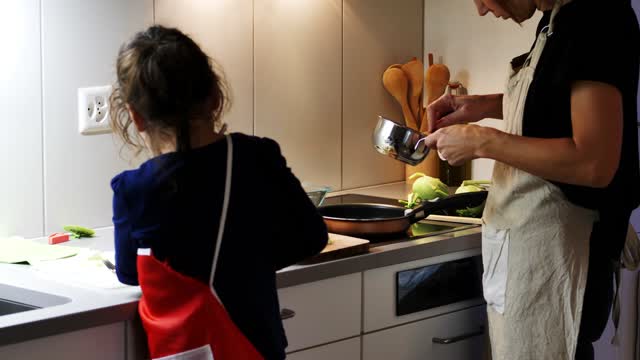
column 93, row 110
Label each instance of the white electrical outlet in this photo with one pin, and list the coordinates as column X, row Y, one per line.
column 93, row 110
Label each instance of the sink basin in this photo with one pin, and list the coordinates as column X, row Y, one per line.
column 9, row 307
column 14, row 300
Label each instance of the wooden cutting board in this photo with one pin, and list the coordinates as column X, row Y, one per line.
column 340, row 246
column 456, row 219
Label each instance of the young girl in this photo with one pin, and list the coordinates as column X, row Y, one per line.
column 205, row 224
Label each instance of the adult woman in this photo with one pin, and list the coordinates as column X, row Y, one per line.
column 563, row 183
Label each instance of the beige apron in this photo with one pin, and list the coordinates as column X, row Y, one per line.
column 535, row 248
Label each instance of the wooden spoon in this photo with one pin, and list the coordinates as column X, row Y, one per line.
column 397, row 84
column 414, row 70
column 436, row 81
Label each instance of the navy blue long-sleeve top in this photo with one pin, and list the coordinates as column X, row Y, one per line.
column 172, row 204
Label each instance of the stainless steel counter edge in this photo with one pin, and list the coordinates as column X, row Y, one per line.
column 68, row 323
column 380, row 256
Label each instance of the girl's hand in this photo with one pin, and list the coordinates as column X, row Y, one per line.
column 451, row 110
column 458, row 144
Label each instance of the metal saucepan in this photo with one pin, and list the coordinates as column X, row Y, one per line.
column 399, row 142
column 377, row 220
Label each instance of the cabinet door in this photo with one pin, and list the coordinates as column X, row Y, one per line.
column 456, row 336
column 343, row 350
column 98, row 343
column 321, row 312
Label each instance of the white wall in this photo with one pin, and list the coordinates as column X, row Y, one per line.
column 284, row 61
column 20, row 119
column 80, row 42
column 50, row 175
column 313, row 70
column 224, row 30
column 476, row 49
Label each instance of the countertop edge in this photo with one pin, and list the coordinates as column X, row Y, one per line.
column 381, row 257
column 68, row 323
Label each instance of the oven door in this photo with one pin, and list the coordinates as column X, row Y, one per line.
column 421, row 289
column 432, row 286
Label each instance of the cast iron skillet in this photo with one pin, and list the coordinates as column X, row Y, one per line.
column 377, row 220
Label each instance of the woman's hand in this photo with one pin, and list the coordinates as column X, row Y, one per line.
column 451, row 110
column 458, row 144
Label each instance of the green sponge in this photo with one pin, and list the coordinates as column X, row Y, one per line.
column 78, row 232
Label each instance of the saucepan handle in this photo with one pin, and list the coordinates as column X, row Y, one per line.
column 453, row 202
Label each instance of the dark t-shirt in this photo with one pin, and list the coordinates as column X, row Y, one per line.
column 592, row 41
column 173, row 203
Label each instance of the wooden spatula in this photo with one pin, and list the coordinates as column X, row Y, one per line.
column 436, row 81
column 414, row 70
column 397, row 84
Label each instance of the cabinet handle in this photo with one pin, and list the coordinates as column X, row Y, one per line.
column 287, row 314
column 455, row 339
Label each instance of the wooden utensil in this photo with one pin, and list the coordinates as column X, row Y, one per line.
column 397, row 84
column 399, row 66
column 414, row 70
column 436, row 81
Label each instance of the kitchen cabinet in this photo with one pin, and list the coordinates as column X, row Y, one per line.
column 99, row 343
column 321, row 312
column 343, row 350
column 464, row 330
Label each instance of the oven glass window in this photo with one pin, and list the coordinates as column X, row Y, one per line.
column 438, row 284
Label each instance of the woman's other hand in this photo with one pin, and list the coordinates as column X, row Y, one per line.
column 458, row 144
column 451, row 110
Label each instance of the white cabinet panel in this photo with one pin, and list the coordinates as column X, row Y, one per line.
column 81, row 39
column 20, row 120
column 325, row 311
column 224, row 30
column 418, row 341
column 298, row 84
column 98, row 343
column 343, row 350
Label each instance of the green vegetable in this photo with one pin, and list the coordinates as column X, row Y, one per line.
column 474, row 211
column 428, row 188
column 476, row 182
column 78, row 232
column 411, row 201
column 425, row 188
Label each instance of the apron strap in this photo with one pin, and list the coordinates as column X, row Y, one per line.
column 223, row 216
column 615, row 312
column 556, row 9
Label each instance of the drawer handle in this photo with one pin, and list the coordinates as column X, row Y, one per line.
column 455, row 339
column 287, row 314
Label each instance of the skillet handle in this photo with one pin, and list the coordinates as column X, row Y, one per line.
column 453, row 202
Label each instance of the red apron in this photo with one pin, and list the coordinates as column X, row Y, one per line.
column 183, row 317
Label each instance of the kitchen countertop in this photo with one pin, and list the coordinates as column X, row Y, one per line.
column 91, row 307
